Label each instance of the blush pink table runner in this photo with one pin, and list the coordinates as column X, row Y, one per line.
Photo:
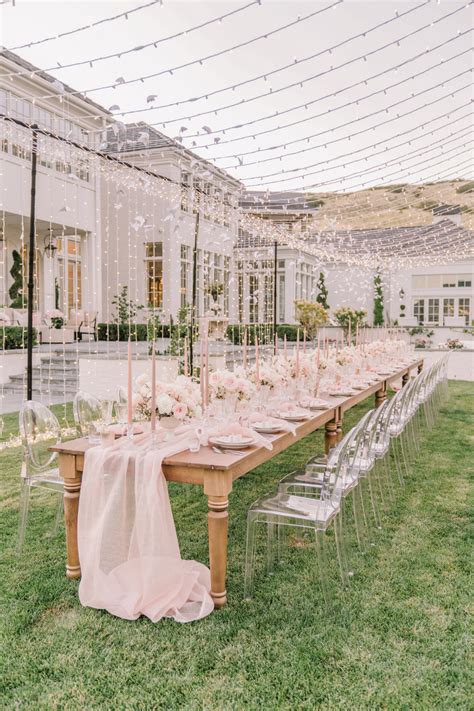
column 128, row 548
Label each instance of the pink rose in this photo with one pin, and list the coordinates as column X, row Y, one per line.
column 180, row 411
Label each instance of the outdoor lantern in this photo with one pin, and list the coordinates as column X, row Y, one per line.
column 401, row 294
column 50, row 243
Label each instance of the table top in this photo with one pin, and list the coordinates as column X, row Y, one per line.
column 238, row 464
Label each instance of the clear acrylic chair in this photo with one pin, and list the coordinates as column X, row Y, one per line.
column 39, row 430
column 311, row 478
column 90, row 413
column 292, row 511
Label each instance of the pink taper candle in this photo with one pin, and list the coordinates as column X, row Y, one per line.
column 297, row 361
column 153, row 388
column 129, row 383
column 349, row 338
column 244, row 342
column 285, row 348
column 304, row 340
column 319, row 348
column 257, row 362
column 206, row 380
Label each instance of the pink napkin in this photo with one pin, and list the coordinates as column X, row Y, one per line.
column 287, row 426
column 236, row 429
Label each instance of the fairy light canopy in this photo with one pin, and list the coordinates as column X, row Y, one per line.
column 349, row 171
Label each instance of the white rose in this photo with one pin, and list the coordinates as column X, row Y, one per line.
column 164, row 404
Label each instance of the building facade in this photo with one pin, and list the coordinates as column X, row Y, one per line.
column 102, row 226
column 68, row 192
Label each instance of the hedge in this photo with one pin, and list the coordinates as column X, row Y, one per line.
column 235, row 332
column 12, row 337
column 137, row 332
column 289, row 330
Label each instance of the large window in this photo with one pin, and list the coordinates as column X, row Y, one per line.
column 154, row 274
column 437, row 281
column 281, row 298
column 268, row 298
column 433, row 310
column 185, row 268
column 226, row 284
column 448, row 308
column 464, row 308
column 70, row 273
column 253, row 298
column 186, row 198
column 419, row 310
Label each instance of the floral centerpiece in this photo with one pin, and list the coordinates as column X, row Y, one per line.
column 422, row 342
column 270, row 374
column 225, row 383
column 180, row 399
column 454, row 344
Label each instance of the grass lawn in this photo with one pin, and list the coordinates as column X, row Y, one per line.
column 404, row 643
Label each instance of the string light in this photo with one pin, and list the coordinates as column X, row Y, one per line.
column 214, row 55
column 386, row 150
column 272, row 72
column 125, row 52
column 297, row 83
column 68, row 33
column 382, row 90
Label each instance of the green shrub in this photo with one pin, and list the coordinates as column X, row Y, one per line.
column 138, row 332
column 287, row 329
column 12, row 337
column 235, row 333
column 15, row 292
column 122, row 332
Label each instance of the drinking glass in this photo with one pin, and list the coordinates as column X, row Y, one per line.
column 195, row 441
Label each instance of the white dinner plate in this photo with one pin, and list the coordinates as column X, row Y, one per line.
column 295, row 416
column 317, row 404
column 266, row 427
column 232, row 441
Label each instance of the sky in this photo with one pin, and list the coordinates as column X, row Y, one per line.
column 341, row 138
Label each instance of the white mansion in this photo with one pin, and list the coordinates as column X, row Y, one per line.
column 98, row 229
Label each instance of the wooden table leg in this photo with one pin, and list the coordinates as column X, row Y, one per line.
column 218, row 518
column 330, row 438
column 339, row 427
column 380, row 396
column 405, row 377
column 420, row 367
column 72, row 490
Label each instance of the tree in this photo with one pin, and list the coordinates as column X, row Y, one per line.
column 126, row 308
column 322, row 297
column 311, row 316
column 378, row 300
column 345, row 315
column 16, row 290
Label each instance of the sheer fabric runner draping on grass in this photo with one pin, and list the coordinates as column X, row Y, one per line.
column 128, row 548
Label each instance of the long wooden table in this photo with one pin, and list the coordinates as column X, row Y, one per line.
column 215, row 473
